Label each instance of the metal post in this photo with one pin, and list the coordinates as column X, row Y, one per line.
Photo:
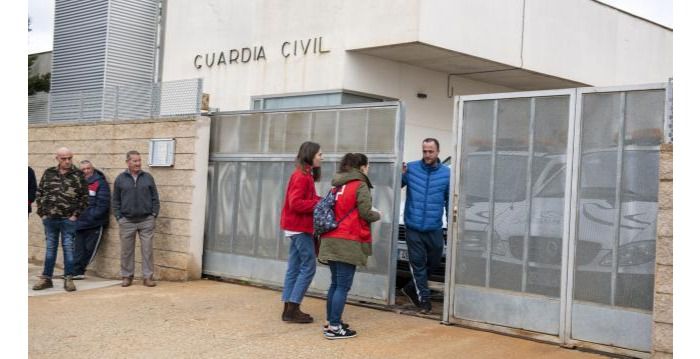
column 492, row 190
column 618, row 198
column 198, row 104
column 668, row 113
column 569, row 234
column 453, row 222
column 528, row 195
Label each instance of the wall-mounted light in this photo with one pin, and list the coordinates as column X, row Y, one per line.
column 421, row 95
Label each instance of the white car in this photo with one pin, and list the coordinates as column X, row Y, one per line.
column 595, row 224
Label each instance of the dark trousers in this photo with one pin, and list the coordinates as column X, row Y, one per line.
column 86, row 241
column 424, row 255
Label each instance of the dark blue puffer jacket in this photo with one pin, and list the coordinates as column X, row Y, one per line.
column 427, row 194
column 97, row 213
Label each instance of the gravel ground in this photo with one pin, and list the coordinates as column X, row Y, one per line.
column 210, row 319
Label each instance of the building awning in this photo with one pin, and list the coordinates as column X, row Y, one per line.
column 467, row 66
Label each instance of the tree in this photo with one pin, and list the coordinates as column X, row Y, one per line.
column 37, row 83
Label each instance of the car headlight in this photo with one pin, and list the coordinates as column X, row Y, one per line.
column 476, row 241
column 632, row 254
column 498, row 246
column 473, row 240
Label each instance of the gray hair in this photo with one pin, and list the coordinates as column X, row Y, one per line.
column 132, row 152
column 86, row 162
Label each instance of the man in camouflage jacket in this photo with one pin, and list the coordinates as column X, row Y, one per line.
column 61, row 197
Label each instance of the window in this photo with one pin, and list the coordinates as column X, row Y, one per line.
column 332, row 98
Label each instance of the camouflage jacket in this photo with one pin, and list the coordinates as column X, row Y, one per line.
column 61, row 196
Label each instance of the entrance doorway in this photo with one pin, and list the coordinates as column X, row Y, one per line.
column 555, row 221
column 252, row 155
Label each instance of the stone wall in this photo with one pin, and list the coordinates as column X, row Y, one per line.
column 182, row 188
column 662, row 346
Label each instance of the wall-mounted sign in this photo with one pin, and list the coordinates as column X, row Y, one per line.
column 161, row 152
column 244, row 55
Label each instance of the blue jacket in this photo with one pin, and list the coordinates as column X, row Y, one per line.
column 427, row 194
column 97, row 213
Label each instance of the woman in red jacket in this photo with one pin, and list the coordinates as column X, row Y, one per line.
column 349, row 245
column 297, row 223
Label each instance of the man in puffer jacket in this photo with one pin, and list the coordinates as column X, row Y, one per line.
column 427, row 184
column 92, row 220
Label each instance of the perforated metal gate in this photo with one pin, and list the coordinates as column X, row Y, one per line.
column 555, row 230
column 252, row 157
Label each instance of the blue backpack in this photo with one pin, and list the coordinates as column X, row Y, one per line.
column 324, row 213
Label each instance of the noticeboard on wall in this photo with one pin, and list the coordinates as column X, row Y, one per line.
column 161, row 152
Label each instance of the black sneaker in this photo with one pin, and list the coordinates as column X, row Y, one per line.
column 343, row 325
column 426, row 307
column 340, row 333
column 412, row 296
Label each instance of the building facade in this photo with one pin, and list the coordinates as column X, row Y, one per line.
column 386, row 75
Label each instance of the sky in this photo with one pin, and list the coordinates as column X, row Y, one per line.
column 41, row 14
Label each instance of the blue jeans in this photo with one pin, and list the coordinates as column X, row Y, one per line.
column 301, row 267
column 424, row 256
column 341, row 282
column 52, row 228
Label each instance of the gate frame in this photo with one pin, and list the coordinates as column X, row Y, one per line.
column 399, row 133
column 570, row 215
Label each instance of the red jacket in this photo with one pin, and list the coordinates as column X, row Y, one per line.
column 353, row 227
column 298, row 209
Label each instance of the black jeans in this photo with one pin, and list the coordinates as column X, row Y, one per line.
column 424, row 255
column 86, row 241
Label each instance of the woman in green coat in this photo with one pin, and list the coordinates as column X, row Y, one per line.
column 349, row 245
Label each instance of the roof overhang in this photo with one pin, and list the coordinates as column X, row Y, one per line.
column 467, row 66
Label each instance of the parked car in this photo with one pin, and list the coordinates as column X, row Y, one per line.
column 596, row 228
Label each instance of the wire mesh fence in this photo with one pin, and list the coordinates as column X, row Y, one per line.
column 161, row 99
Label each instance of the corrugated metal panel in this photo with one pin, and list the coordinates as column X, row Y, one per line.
column 101, row 46
column 131, row 54
column 80, row 31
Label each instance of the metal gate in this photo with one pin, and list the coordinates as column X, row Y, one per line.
column 251, row 158
column 555, row 227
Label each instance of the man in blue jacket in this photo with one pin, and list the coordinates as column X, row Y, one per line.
column 427, row 184
column 92, row 221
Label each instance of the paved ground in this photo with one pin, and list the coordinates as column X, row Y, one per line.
column 91, row 282
column 210, row 319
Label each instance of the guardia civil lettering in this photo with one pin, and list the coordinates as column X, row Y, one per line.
column 244, row 55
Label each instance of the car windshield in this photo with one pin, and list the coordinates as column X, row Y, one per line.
column 598, row 177
column 639, row 175
column 508, row 168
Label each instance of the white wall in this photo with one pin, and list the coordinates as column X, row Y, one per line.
column 429, row 117
column 198, row 27
column 579, row 40
column 595, row 44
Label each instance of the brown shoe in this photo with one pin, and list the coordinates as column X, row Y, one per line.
column 126, row 281
column 297, row 316
column 68, row 284
column 286, row 315
column 43, row 283
column 148, row 282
